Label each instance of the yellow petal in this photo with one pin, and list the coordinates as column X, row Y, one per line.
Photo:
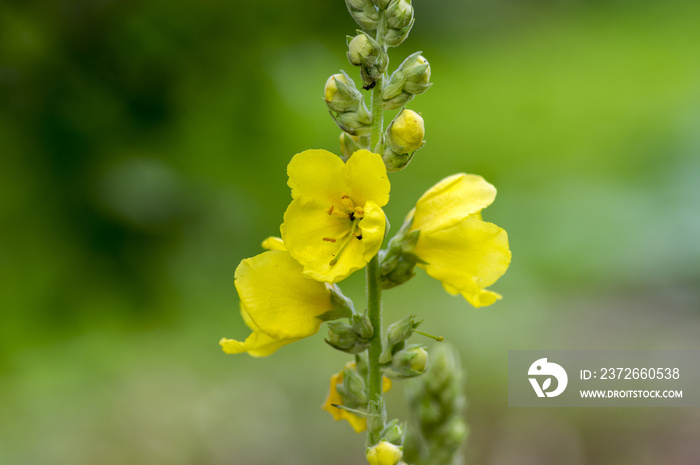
column 367, row 179
column 317, row 174
column 452, row 200
column 467, row 257
column 273, row 243
column 258, row 344
column 278, row 298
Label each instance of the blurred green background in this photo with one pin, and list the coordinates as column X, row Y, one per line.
column 143, row 152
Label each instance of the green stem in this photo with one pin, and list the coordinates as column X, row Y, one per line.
column 377, row 115
column 374, row 307
column 374, row 283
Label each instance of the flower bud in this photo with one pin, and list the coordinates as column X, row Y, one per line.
column 412, row 77
column 354, row 122
column 409, row 362
column 394, row 432
column 384, row 453
column 401, row 330
column 399, row 14
column 364, row 13
column 350, row 144
column 340, row 93
column 362, row 326
column 395, row 37
column 363, row 50
column 343, row 337
column 405, row 133
column 353, row 388
column 396, row 161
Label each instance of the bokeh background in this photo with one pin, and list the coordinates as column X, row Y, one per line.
column 143, row 152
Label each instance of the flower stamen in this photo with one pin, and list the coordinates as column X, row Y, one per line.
column 345, row 245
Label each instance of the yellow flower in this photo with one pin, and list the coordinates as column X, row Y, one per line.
column 278, row 303
column 458, row 248
column 359, row 424
column 335, row 223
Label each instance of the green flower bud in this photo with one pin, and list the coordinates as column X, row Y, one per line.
column 364, row 13
column 409, row 362
column 401, row 330
column 399, row 14
column 394, row 432
column 350, row 144
column 362, row 326
column 398, row 101
column 412, row 77
column 354, row 122
column 340, row 93
column 384, row 453
column 405, row 133
column 396, row 161
column 353, row 387
column 343, row 337
column 395, row 37
column 398, row 261
column 363, row 50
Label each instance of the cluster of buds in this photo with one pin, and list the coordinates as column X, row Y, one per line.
column 351, row 338
column 410, row 79
column 398, row 17
column 402, row 138
column 346, row 105
column 365, row 52
column 437, row 403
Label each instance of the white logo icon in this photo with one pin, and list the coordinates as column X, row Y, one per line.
column 542, row 367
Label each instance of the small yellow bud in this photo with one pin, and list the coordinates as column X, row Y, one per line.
column 331, row 87
column 420, row 361
column 384, row 453
column 406, row 132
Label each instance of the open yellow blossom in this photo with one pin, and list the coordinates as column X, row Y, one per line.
column 335, row 223
column 458, row 248
column 359, row 424
column 278, row 303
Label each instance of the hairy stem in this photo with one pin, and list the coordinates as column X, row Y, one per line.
column 374, row 306
column 374, row 284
